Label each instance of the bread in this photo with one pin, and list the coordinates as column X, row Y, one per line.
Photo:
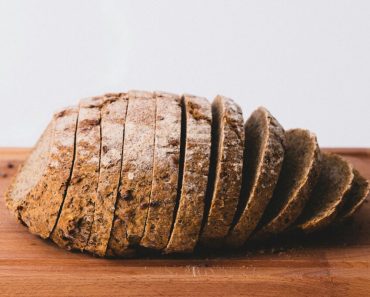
column 123, row 175
column 137, row 173
column 113, row 115
column 355, row 197
column 298, row 176
column 165, row 171
column 264, row 146
column 327, row 197
column 73, row 228
column 224, row 182
column 194, row 175
column 37, row 192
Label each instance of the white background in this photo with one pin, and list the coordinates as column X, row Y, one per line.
column 306, row 61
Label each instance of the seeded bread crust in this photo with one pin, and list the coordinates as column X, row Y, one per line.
column 334, row 182
column 189, row 215
column 165, row 171
column 28, row 182
column 136, row 176
column 113, row 115
column 298, row 176
column 226, row 170
column 264, row 154
column 73, row 228
column 39, row 207
column 355, row 198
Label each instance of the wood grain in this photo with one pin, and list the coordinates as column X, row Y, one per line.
column 334, row 263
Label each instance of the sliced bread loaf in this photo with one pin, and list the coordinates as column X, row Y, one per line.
column 165, row 171
column 264, row 154
column 327, row 197
column 73, row 228
column 226, row 170
column 136, row 176
column 298, row 176
column 355, row 197
column 38, row 190
column 113, row 115
column 194, row 175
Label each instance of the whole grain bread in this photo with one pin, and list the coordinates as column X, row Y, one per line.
column 225, row 178
column 113, row 115
column 194, row 176
column 165, row 171
column 73, row 228
column 136, row 176
column 327, row 197
column 264, row 154
column 355, row 197
column 38, row 190
column 298, row 176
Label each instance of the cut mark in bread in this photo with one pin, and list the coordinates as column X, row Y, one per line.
column 136, row 175
column 327, row 197
column 45, row 175
column 355, row 197
column 264, row 154
column 73, row 228
column 113, row 113
column 165, row 171
column 298, row 176
column 189, row 215
column 225, row 179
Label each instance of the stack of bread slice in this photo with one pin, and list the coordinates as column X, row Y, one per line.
column 155, row 171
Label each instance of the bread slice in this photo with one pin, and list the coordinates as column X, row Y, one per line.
column 334, row 182
column 226, row 170
column 165, row 171
column 264, row 154
column 73, row 228
column 193, row 175
column 113, row 115
column 38, row 190
column 356, row 196
column 136, row 176
column 298, row 176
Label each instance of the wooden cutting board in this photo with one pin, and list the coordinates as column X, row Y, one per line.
column 335, row 263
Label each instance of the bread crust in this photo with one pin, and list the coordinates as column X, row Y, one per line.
column 39, row 207
column 136, row 176
column 73, row 228
column 189, row 215
column 226, row 170
column 165, row 171
column 298, row 176
column 113, row 115
column 355, row 197
column 264, row 146
column 327, row 197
